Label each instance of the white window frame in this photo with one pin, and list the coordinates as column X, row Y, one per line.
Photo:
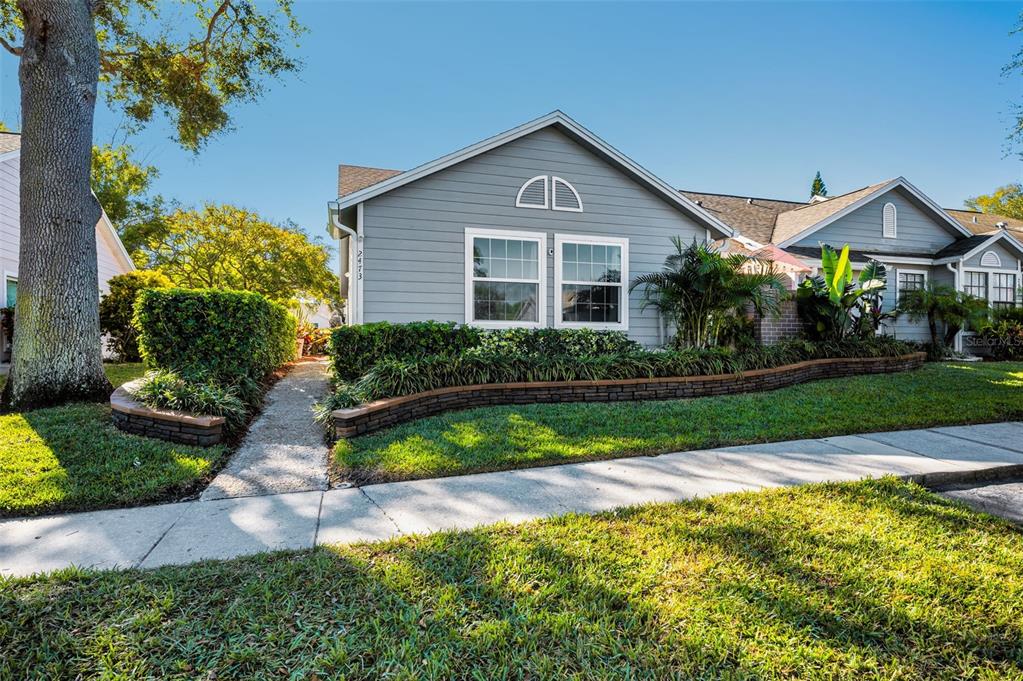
column 987, row 281
column 8, row 274
column 990, row 280
column 899, row 271
column 541, row 308
column 546, row 193
column 554, row 195
column 894, row 234
column 559, row 240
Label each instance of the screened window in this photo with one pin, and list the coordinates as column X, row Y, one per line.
column 12, row 291
column 504, row 284
column 591, row 277
column 911, row 281
column 975, row 283
column 1003, row 289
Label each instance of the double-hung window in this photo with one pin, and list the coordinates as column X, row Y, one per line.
column 975, row 284
column 504, row 279
column 590, row 277
column 1003, row 289
column 911, row 280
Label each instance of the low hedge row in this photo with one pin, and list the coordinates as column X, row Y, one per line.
column 394, row 377
column 221, row 335
column 355, row 350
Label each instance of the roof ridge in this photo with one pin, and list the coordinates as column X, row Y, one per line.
column 832, row 198
column 740, row 196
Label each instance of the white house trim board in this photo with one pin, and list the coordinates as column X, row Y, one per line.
column 546, row 193
column 120, row 250
column 559, row 240
column 541, row 306
column 359, row 262
column 555, row 180
column 554, row 118
column 897, row 182
column 9, row 155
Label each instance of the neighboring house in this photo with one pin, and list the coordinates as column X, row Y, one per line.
column 541, row 226
column 897, row 224
column 545, row 225
column 112, row 259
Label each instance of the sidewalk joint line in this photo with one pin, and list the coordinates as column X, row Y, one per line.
column 161, row 537
column 319, row 514
column 976, row 442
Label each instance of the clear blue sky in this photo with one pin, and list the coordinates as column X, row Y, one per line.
column 746, row 98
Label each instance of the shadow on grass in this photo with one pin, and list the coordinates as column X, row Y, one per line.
column 868, row 579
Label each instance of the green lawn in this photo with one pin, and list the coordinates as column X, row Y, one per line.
column 494, row 438
column 875, row 579
column 72, row 458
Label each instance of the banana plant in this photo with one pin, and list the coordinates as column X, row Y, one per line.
column 834, row 304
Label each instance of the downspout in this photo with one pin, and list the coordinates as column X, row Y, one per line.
column 336, row 230
column 954, row 269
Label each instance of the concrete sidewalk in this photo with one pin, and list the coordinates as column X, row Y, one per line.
column 223, row 528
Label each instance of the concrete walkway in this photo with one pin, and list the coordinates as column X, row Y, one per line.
column 224, row 528
column 284, row 450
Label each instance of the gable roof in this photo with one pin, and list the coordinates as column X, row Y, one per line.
column 802, row 222
column 986, row 223
column 351, row 179
column 750, row 216
column 574, row 130
column 967, row 248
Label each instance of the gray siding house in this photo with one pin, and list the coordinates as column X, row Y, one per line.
column 545, row 225
column 541, row 226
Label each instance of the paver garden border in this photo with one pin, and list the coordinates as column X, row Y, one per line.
column 380, row 414
column 132, row 416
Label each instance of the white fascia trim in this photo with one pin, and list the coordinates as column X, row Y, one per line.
column 555, row 117
column 554, row 195
column 546, row 193
column 988, row 242
column 541, row 307
column 880, row 257
column 897, row 182
column 623, row 303
column 9, row 155
column 117, row 240
column 360, row 263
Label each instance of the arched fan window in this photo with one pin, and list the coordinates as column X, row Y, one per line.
column 565, row 196
column 990, row 259
column 533, row 194
column 889, row 221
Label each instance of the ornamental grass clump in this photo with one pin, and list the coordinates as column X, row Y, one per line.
column 194, row 394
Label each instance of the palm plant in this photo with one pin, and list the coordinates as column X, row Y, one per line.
column 698, row 289
column 943, row 306
column 834, row 304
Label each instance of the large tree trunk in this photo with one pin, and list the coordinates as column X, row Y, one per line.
column 57, row 355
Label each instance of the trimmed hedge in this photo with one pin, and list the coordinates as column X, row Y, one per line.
column 355, row 350
column 395, row 377
column 117, row 308
column 221, row 335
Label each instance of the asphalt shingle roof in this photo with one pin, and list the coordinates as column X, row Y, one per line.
column 962, row 246
column 351, row 179
column 9, row 141
column 792, row 222
column 752, row 217
column 986, row 223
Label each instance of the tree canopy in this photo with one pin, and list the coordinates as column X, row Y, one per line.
column 1007, row 201
column 817, row 187
column 188, row 60
column 223, row 246
column 122, row 186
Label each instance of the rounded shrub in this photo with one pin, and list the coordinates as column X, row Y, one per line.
column 117, row 307
column 223, row 335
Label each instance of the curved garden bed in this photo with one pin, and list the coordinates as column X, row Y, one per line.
column 132, row 416
column 373, row 416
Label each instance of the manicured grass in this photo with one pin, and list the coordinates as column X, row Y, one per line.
column 876, row 579
column 494, row 438
column 72, row 458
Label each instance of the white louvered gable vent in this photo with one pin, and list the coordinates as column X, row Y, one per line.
column 990, row 259
column 533, row 194
column 565, row 196
column 889, row 221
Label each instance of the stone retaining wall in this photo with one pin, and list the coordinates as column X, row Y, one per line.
column 132, row 416
column 388, row 412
